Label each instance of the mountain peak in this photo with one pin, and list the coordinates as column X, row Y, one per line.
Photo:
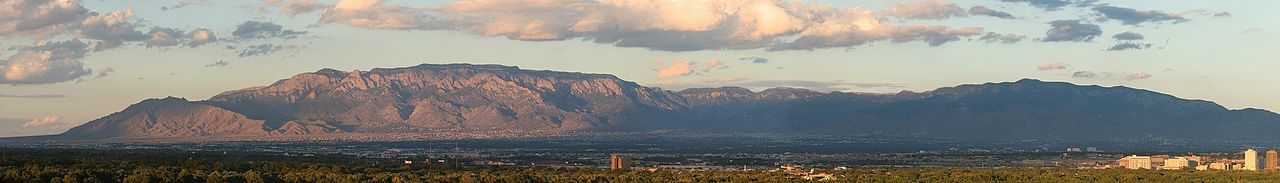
column 465, row 97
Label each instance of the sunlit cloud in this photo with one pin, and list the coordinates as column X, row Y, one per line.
column 664, row 25
column 1053, row 66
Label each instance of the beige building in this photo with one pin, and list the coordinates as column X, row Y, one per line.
column 1178, row 163
column 1251, row 160
column 1220, row 165
column 1136, row 162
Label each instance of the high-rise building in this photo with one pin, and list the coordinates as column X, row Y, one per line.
column 1136, row 162
column 1273, row 162
column 619, row 162
column 1250, row 160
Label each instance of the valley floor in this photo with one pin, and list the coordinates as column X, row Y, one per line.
column 64, row 165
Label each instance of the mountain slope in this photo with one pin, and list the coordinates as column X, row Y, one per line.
column 485, row 98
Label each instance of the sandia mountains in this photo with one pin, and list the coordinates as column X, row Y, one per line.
column 480, row 98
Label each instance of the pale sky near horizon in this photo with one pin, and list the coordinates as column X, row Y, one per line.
column 1222, row 51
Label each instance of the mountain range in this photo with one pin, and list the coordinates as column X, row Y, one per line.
column 466, row 98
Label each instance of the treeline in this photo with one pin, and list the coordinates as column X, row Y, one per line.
column 157, row 166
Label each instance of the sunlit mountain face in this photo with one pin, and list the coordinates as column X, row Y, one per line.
column 638, row 91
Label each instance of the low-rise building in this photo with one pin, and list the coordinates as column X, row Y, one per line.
column 1178, row 163
column 1135, row 162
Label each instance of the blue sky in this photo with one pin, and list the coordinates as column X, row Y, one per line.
column 1222, row 51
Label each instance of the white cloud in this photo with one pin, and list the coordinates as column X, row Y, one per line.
column 676, row 69
column 1053, row 66
column 658, row 24
column 40, row 19
column 45, row 63
column 200, row 37
column 47, row 120
column 714, row 64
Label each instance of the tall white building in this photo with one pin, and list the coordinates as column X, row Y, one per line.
column 1251, row 160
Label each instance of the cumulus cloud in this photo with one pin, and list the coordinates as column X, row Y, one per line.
column 263, row 30
column 992, row 37
column 1128, row 46
column 926, row 9
column 1130, row 16
column 47, row 120
column 164, row 37
column 754, row 59
column 983, row 10
column 676, row 69
column 40, row 19
column 1129, row 36
column 656, row 25
column 1053, row 66
column 45, row 63
column 1072, row 31
column 201, row 37
column 112, row 29
column 1053, row 5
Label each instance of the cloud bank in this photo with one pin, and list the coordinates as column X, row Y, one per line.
column 664, row 25
column 45, row 63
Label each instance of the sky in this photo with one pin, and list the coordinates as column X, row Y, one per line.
column 66, row 62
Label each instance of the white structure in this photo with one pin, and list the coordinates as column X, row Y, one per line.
column 1178, row 163
column 1136, row 162
column 1251, row 160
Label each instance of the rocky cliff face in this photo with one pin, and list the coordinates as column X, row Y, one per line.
column 426, row 98
column 404, row 100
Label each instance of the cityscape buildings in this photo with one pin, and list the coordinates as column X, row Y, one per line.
column 1251, row 160
column 619, row 162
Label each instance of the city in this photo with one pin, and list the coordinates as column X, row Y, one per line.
column 1251, row 161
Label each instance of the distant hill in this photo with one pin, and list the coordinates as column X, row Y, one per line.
column 488, row 98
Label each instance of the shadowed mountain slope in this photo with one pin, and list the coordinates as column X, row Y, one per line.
column 479, row 98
